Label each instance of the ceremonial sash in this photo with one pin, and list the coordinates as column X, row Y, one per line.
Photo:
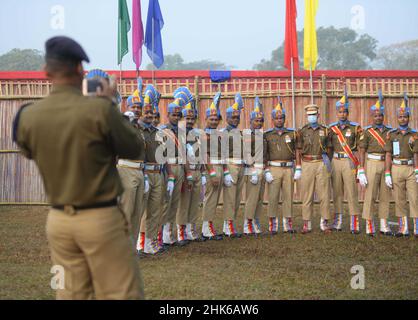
column 378, row 138
column 345, row 145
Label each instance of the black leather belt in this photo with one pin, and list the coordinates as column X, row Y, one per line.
column 111, row 203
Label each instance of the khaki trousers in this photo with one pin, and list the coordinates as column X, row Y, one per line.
column 189, row 201
column 212, row 195
column 171, row 204
column 344, row 182
column 254, row 197
column 131, row 201
column 283, row 182
column 94, row 248
column 151, row 219
column 232, row 195
column 315, row 178
column 404, row 183
column 375, row 171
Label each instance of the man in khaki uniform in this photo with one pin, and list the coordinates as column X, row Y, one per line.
column 74, row 140
column 401, row 156
column 371, row 173
column 234, row 168
column 131, row 172
column 215, row 170
column 343, row 139
column 313, row 168
column 150, row 224
column 188, row 213
column 280, row 153
column 174, row 165
column 255, row 183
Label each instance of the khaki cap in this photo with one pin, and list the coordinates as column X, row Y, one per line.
column 311, row 109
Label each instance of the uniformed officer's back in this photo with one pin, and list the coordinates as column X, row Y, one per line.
column 74, row 140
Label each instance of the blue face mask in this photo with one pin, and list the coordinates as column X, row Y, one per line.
column 313, row 119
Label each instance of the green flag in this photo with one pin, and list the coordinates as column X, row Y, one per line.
column 124, row 25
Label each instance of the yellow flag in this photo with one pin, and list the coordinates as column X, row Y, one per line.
column 310, row 42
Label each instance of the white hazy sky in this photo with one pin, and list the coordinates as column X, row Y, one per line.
column 237, row 32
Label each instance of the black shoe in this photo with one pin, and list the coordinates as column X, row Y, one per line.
column 250, row 235
column 183, row 243
column 291, row 231
column 371, row 235
column 273, row 233
column 233, row 236
column 401, row 235
column 217, row 237
column 388, row 233
column 141, row 254
column 337, row 230
column 355, row 232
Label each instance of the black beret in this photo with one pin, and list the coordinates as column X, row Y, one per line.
column 64, row 48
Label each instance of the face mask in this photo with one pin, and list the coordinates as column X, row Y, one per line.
column 312, row 119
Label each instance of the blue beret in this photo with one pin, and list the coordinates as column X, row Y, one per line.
column 64, row 48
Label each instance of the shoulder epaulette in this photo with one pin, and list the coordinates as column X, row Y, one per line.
column 333, row 124
column 16, row 121
column 354, row 123
column 367, row 128
column 291, row 129
column 413, row 131
column 269, row 130
column 393, row 130
column 388, row 127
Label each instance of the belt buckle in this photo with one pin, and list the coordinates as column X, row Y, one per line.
column 68, row 209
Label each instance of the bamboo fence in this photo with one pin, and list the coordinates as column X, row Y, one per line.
column 21, row 183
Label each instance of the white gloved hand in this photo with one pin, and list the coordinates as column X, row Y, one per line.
column 269, row 177
column 204, row 181
column 361, row 176
column 228, row 181
column 254, row 179
column 416, row 174
column 170, row 187
column 388, row 180
column 298, row 173
column 146, row 185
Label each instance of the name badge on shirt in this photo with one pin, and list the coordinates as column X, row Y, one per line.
column 396, row 148
column 287, row 139
column 321, row 133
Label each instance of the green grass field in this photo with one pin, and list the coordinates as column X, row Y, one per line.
column 314, row 266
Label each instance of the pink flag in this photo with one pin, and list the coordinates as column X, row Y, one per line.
column 137, row 33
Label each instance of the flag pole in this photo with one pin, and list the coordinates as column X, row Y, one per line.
column 153, row 65
column 293, row 93
column 311, row 84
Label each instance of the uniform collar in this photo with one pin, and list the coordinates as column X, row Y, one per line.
column 406, row 130
column 144, row 125
column 314, row 126
column 229, row 127
column 66, row 88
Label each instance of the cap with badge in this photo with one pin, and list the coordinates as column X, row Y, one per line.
column 312, row 109
column 235, row 109
column 136, row 98
column 278, row 110
column 258, row 110
column 151, row 98
column 65, row 49
column 378, row 107
column 404, row 110
column 213, row 109
column 190, row 109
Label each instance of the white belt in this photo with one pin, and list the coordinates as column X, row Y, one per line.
column 130, row 164
column 281, row 164
column 376, row 157
column 195, row 166
column 340, row 156
column 172, row 161
column 235, row 161
column 403, row 162
column 152, row 167
column 216, row 162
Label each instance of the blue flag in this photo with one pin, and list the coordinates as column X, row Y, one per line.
column 153, row 40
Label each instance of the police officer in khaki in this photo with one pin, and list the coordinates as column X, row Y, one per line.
column 234, row 168
column 402, row 169
column 131, row 172
column 343, row 140
column 313, row 169
column 255, row 183
column 280, row 154
column 371, row 173
column 74, row 140
column 215, row 169
column 189, row 211
column 175, row 164
column 148, row 240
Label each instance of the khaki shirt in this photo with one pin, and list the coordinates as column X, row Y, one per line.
column 312, row 142
column 231, row 153
column 151, row 142
column 172, row 134
column 74, row 141
column 213, row 136
column 369, row 143
column 408, row 143
column 351, row 133
column 279, row 145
